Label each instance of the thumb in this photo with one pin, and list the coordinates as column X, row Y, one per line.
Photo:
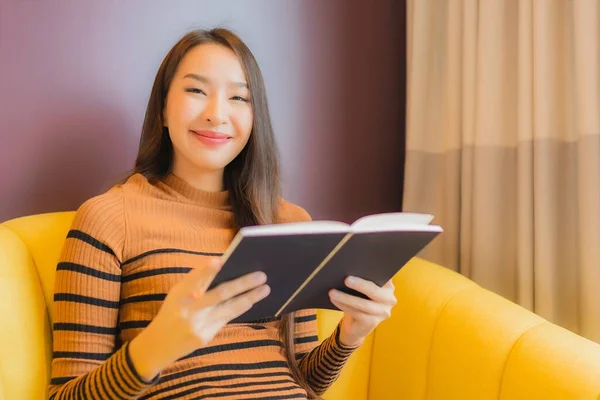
column 199, row 279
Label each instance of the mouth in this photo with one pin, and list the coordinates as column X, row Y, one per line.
column 211, row 138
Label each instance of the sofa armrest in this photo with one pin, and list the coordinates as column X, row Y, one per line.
column 25, row 351
column 451, row 339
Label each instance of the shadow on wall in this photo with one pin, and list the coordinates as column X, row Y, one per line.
column 374, row 100
column 355, row 105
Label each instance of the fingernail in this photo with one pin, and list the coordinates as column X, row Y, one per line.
column 351, row 280
column 265, row 290
column 335, row 294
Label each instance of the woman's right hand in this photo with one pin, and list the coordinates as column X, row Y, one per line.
column 191, row 316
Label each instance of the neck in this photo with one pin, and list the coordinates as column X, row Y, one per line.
column 208, row 181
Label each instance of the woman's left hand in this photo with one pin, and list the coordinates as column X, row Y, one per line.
column 362, row 316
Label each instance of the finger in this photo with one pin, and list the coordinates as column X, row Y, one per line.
column 233, row 288
column 364, row 305
column 237, row 306
column 389, row 285
column 356, row 314
column 199, row 279
column 381, row 295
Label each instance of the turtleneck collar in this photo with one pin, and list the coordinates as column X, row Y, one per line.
column 219, row 200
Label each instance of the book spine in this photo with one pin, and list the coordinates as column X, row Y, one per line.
column 315, row 272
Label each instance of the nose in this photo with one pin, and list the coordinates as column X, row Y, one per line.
column 215, row 111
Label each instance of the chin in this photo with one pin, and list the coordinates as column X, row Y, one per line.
column 210, row 166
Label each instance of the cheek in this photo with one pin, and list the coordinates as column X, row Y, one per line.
column 181, row 112
column 243, row 121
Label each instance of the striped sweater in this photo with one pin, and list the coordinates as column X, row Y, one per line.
column 125, row 250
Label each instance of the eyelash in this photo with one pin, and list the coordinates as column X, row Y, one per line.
column 194, row 90
column 199, row 91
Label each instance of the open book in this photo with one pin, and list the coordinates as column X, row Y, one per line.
column 304, row 260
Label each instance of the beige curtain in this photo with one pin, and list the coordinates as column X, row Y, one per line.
column 503, row 146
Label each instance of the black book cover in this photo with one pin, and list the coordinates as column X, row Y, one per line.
column 374, row 256
column 286, row 259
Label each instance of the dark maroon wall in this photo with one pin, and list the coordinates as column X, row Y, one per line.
column 75, row 76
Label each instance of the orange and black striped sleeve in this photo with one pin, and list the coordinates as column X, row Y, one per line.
column 322, row 363
column 87, row 362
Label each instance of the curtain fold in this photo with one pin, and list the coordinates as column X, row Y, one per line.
column 503, row 146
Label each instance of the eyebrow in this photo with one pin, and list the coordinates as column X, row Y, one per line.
column 204, row 79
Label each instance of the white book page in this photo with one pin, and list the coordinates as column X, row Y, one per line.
column 309, row 227
column 395, row 222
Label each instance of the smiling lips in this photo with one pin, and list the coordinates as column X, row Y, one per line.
column 211, row 138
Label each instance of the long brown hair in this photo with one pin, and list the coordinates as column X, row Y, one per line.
column 252, row 178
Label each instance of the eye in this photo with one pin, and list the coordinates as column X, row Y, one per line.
column 195, row 90
column 239, row 98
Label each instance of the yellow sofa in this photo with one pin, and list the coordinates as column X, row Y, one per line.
column 447, row 339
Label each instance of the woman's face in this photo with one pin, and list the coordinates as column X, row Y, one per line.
column 208, row 110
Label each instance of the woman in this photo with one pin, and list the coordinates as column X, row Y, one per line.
column 133, row 316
